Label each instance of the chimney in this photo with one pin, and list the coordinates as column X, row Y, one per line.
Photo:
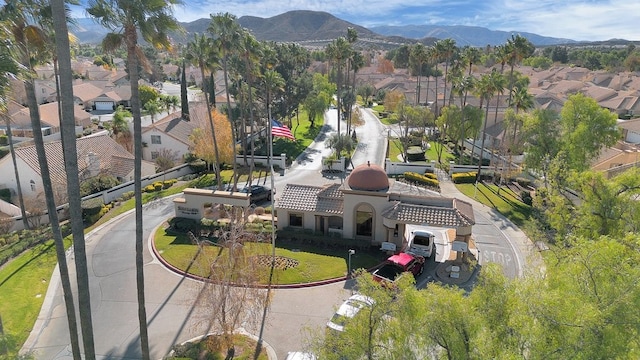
column 93, row 164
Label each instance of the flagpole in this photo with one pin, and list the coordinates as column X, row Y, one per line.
column 273, row 238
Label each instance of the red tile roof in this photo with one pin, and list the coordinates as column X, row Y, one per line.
column 114, row 159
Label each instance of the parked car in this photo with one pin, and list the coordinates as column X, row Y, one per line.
column 397, row 265
column 297, row 355
column 348, row 310
column 257, row 193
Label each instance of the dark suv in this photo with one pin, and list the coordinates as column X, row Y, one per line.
column 257, row 193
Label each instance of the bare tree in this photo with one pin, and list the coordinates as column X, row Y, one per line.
column 231, row 298
column 166, row 159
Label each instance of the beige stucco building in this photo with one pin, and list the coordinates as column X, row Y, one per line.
column 369, row 207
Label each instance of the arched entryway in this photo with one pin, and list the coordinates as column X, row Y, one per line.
column 364, row 218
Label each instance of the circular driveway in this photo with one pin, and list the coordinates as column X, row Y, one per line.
column 170, row 298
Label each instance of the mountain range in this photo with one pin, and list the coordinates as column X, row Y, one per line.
column 321, row 27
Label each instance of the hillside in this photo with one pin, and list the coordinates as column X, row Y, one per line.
column 465, row 35
column 319, row 28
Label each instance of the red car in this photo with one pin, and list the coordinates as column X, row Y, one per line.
column 398, row 264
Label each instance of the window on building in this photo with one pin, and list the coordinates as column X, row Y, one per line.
column 154, row 155
column 295, row 220
column 155, row 139
column 33, row 185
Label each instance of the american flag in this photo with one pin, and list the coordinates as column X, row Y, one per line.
column 279, row 129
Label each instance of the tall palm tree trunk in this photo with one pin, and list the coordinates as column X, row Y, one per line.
column 67, row 127
column 484, row 135
column 216, row 152
column 230, row 115
column 81, row 265
column 132, row 61
column 23, row 212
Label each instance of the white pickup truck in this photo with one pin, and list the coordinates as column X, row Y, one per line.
column 419, row 241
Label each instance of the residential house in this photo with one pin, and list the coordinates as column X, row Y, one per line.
column 97, row 154
column 169, row 135
column 630, row 130
column 49, row 120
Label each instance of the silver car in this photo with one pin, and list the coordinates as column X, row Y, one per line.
column 348, row 310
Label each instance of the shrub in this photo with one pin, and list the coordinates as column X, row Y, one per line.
column 198, row 165
column 524, row 182
column 183, row 225
column 92, row 206
column 254, row 227
column 149, row 188
column 127, row 195
column 158, row 185
column 168, row 183
column 431, row 175
column 5, row 194
column 259, row 210
column 526, row 197
column 464, row 178
column 419, row 178
column 4, row 140
column 206, row 180
column 97, row 184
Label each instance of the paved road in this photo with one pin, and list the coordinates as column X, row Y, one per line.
column 170, row 310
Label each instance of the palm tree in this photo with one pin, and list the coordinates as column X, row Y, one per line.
column 29, row 44
column 447, row 49
column 519, row 48
column 472, row 56
column 200, row 52
column 59, row 14
column 8, row 69
column 153, row 19
column 226, row 33
column 338, row 51
column 521, row 100
column 461, row 85
column 250, row 54
column 434, row 57
column 487, row 87
column 419, row 56
column 357, row 63
column 152, row 108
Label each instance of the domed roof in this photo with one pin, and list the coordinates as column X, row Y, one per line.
column 369, row 177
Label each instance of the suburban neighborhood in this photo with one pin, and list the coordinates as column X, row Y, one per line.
column 277, row 201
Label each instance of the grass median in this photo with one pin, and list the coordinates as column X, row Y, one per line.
column 297, row 263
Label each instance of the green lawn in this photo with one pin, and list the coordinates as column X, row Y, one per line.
column 505, row 201
column 395, row 149
column 314, row 264
column 23, row 285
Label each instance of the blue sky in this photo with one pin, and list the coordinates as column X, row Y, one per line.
column 573, row 19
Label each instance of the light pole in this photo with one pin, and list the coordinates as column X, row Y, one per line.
column 351, row 252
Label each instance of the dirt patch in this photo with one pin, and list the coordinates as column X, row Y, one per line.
column 281, row 262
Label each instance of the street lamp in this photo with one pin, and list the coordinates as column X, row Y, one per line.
column 351, row 252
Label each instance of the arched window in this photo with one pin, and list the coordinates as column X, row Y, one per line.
column 33, row 185
column 364, row 220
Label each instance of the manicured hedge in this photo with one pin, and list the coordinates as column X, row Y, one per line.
column 464, row 178
column 431, row 175
column 422, row 179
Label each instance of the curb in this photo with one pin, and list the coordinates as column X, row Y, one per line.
column 271, row 353
column 177, row 271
